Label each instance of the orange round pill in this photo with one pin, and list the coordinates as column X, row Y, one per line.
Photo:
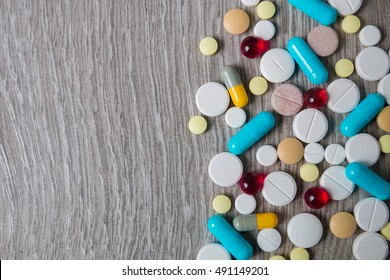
column 383, row 119
column 236, row 21
column 342, row 225
column 290, row 151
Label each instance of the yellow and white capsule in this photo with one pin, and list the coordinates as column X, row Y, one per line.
column 234, row 85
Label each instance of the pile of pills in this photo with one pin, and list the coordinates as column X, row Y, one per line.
column 309, row 126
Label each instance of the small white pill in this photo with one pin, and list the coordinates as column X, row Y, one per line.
column 277, row 65
column 334, row 154
column 314, row 153
column 269, row 239
column 336, row 183
column 363, row 148
column 370, row 246
column 264, row 29
column 245, row 204
column 225, row 169
column 371, row 214
column 384, row 87
column 266, row 155
column 212, row 99
column 310, row 125
column 304, row 230
column 250, row 3
column 279, row 188
column 213, row 251
column 343, row 96
column 370, row 35
column 235, row 117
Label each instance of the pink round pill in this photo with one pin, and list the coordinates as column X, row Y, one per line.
column 323, row 40
column 287, row 99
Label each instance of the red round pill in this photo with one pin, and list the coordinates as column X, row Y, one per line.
column 316, row 197
column 252, row 47
column 251, row 183
column 315, row 98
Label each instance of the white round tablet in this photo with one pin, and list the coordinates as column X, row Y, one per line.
column 314, row 153
column 304, row 230
column 212, row 99
column 363, row 148
column 277, row 65
column 334, row 154
column 269, row 239
column 235, row 117
column 384, row 88
column 346, row 7
column 336, row 183
column 310, row 125
column 225, row 169
column 372, row 64
column 370, row 35
column 279, row 188
column 250, row 3
column 343, row 96
column 213, row 251
column 370, row 246
column 371, row 214
column 264, row 29
column 266, row 155
column 245, row 204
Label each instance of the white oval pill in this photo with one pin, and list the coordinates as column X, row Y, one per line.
column 266, row 155
column 269, row 239
column 336, row 183
column 363, row 148
column 212, row 99
column 264, row 29
column 384, row 87
column 346, row 7
column 235, row 117
column 279, row 188
column 370, row 246
column 225, row 169
column 250, row 3
column 372, row 64
column 277, row 65
column 343, row 96
column 310, row 125
column 371, row 214
column 304, row 230
column 334, row 154
column 314, row 153
column 370, row 35
column 213, row 251
column 245, row 204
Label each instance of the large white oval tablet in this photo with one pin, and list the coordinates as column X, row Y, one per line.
column 245, row 204
column 235, row 117
column 314, row 153
column 277, row 65
column 212, row 99
column 304, row 230
column 384, row 87
column 213, row 251
column 266, row 155
column 279, row 188
column 371, row 214
column 250, row 3
column 372, row 64
column 346, row 7
column 343, row 96
column 310, row 125
column 370, row 35
column 363, row 148
column 264, row 29
column 336, row 183
column 334, row 154
column 269, row 239
column 370, row 246
column 225, row 169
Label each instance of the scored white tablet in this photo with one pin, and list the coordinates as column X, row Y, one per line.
column 279, row 188
column 269, row 239
column 336, row 183
column 310, row 125
column 277, row 65
column 314, row 153
column 343, row 96
column 371, row 214
column 370, row 246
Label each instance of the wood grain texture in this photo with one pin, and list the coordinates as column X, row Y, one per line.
column 96, row 161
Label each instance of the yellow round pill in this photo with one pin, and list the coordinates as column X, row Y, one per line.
column 266, row 10
column 384, row 142
column 309, row 172
column 277, row 258
column 350, row 24
column 208, row 46
column 344, row 68
column 221, row 204
column 258, row 85
column 299, row 254
column 197, row 125
column 386, row 231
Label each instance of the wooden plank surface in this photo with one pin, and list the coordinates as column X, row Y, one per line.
column 96, row 161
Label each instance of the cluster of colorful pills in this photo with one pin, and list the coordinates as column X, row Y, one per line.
column 309, row 126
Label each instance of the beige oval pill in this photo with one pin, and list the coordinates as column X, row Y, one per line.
column 383, row 119
column 342, row 225
column 236, row 21
column 290, row 151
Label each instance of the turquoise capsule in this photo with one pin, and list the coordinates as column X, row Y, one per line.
column 317, row 10
column 307, row 60
column 252, row 132
column 365, row 178
column 230, row 238
column 362, row 114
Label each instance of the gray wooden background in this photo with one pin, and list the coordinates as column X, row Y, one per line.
column 96, row 161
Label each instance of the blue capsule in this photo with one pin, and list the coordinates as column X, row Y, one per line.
column 362, row 114
column 317, row 10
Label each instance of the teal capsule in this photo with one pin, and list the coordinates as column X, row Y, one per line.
column 317, row 10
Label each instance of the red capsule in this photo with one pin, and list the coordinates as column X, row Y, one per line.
column 316, row 197
column 315, row 98
column 251, row 183
column 252, row 47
